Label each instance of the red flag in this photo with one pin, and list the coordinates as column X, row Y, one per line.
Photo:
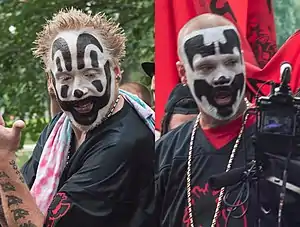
column 289, row 52
column 261, row 33
column 171, row 15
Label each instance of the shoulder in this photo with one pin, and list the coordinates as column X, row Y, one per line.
column 126, row 134
column 173, row 144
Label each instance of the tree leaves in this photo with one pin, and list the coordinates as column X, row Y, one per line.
column 22, row 81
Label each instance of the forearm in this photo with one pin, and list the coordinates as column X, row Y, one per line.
column 3, row 222
column 19, row 207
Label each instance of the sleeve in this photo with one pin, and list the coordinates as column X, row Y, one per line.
column 161, row 179
column 114, row 187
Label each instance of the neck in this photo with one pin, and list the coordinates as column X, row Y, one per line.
column 207, row 121
column 79, row 136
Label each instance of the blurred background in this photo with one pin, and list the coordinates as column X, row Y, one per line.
column 23, row 89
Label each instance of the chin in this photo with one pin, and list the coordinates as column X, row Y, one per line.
column 88, row 127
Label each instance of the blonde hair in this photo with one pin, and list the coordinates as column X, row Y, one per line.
column 72, row 19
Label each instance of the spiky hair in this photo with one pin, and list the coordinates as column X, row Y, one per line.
column 72, row 19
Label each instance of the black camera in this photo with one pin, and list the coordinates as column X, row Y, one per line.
column 278, row 116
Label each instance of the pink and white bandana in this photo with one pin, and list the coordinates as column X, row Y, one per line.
column 52, row 163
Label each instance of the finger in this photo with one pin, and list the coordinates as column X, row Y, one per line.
column 2, row 122
column 17, row 127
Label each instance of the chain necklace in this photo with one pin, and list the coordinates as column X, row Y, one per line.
column 189, row 170
column 108, row 115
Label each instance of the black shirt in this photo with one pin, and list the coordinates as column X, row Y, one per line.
column 110, row 178
column 209, row 158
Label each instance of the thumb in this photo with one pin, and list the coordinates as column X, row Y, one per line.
column 17, row 127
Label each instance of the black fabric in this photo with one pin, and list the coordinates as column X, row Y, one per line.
column 149, row 68
column 180, row 101
column 171, row 166
column 109, row 180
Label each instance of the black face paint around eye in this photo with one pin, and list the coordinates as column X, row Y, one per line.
column 98, row 85
column 58, row 65
column 203, row 89
column 60, row 44
column 83, row 41
column 64, row 91
column 94, row 58
column 232, row 42
column 195, row 45
column 98, row 102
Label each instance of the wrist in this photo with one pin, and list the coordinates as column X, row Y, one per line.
column 6, row 161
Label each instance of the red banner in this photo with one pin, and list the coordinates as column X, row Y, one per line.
column 171, row 15
column 289, row 52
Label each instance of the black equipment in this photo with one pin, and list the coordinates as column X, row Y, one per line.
column 277, row 133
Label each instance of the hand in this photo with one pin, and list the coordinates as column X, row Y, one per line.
column 10, row 137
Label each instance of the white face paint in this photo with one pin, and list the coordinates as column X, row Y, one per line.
column 83, row 77
column 215, row 70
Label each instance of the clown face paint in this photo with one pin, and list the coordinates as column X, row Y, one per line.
column 83, row 77
column 215, row 70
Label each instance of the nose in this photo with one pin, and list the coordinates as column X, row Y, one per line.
column 221, row 81
column 78, row 93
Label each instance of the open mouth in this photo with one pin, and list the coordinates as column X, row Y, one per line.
column 84, row 106
column 223, row 98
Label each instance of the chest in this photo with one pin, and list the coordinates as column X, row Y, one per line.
column 205, row 162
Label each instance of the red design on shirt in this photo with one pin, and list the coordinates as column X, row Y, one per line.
column 58, row 208
column 197, row 193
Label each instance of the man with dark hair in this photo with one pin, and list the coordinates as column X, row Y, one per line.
column 138, row 89
column 181, row 107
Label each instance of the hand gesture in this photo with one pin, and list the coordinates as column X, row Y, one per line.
column 10, row 137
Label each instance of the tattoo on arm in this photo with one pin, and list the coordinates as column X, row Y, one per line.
column 19, row 213
column 7, row 187
column 13, row 200
column 3, row 175
column 15, row 167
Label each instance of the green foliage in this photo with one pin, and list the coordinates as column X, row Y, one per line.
column 22, row 81
column 287, row 18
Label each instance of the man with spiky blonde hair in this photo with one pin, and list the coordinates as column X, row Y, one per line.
column 87, row 168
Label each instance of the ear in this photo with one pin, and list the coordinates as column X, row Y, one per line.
column 50, row 85
column 181, row 72
column 118, row 73
column 117, row 70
